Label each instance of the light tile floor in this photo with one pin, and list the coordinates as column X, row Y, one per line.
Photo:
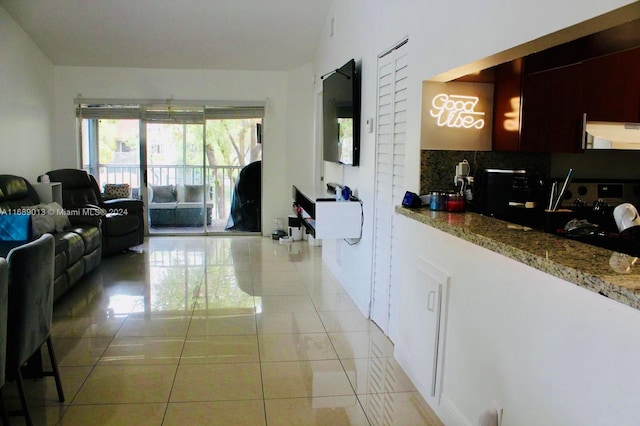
column 220, row 331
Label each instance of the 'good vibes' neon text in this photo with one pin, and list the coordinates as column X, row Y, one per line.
column 456, row 111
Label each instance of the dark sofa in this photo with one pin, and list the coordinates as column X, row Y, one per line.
column 78, row 242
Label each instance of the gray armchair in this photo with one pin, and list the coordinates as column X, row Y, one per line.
column 122, row 219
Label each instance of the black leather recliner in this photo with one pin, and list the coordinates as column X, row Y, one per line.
column 122, row 219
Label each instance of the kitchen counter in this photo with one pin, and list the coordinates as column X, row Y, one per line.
column 608, row 273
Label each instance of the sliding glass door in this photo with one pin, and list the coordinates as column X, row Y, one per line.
column 179, row 191
column 197, row 168
column 234, row 158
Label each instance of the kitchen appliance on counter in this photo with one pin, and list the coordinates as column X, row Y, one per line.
column 514, row 195
column 463, row 181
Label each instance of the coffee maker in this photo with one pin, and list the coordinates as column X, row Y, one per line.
column 514, row 195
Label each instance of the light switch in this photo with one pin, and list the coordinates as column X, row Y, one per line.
column 369, row 125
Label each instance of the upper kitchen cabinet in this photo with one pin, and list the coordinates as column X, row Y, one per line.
column 597, row 75
column 555, row 101
column 552, row 108
column 612, row 87
column 506, row 106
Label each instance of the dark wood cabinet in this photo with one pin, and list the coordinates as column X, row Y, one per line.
column 506, row 106
column 552, row 108
column 612, row 87
column 597, row 75
column 554, row 101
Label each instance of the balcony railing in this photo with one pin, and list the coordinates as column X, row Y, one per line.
column 221, row 180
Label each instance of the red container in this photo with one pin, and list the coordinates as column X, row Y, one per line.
column 454, row 202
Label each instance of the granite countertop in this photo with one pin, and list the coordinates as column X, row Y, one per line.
column 608, row 273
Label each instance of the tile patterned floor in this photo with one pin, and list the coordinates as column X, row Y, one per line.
column 220, row 331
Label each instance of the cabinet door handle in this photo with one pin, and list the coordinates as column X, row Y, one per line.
column 583, row 143
column 431, row 301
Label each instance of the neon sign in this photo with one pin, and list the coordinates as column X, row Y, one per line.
column 456, row 111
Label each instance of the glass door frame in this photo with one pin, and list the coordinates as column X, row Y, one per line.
column 145, row 119
column 91, row 111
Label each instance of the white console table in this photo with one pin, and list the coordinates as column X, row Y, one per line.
column 327, row 218
column 49, row 192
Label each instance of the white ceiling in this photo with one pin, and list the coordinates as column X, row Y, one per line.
column 276, row 35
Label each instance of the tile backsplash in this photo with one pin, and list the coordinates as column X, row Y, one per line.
column 438, row 166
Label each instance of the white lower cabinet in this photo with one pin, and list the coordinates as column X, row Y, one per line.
column 432, row 290
column 421, row 312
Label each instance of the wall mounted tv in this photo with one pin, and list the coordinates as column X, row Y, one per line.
column 341, row 115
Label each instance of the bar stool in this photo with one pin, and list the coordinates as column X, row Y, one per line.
column 30, row 311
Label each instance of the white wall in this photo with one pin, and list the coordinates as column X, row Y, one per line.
column 276, row 88
column 442, row 36
column 26, row 94
column 299, row 156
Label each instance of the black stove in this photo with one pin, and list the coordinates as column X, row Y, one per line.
column 612, row 192
column 594, row 201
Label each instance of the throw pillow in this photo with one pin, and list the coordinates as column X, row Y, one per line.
column 163, row 194
column 116, row 190
column 193, row 193
column 58, row 214
column 15, row 227
column 42, row 224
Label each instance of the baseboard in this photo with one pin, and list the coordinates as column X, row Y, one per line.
column 452, row 412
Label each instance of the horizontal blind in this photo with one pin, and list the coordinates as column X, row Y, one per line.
column 234, row 112
column 156, row 113
column 169, row 114
column 108, row 111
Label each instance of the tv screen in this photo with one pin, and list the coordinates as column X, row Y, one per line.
column 341, row 115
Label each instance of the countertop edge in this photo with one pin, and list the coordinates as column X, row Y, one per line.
column 602, row 284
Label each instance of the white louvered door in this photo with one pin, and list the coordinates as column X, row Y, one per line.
column 390, row 161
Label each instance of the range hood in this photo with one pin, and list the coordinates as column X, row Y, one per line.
column 611, row 135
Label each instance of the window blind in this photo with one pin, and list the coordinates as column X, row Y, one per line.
column 234, row 112
column 169, row 114
column 108, row 111
column 166, row 113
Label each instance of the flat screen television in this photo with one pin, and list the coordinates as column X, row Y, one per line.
column 341, row 115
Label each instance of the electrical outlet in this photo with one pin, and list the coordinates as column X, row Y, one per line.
column 498, row 409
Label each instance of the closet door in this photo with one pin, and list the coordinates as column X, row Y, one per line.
column 389, row 184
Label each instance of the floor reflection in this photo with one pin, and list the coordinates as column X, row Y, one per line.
column 220, row 330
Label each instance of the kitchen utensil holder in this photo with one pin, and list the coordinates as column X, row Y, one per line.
column 555, row 220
